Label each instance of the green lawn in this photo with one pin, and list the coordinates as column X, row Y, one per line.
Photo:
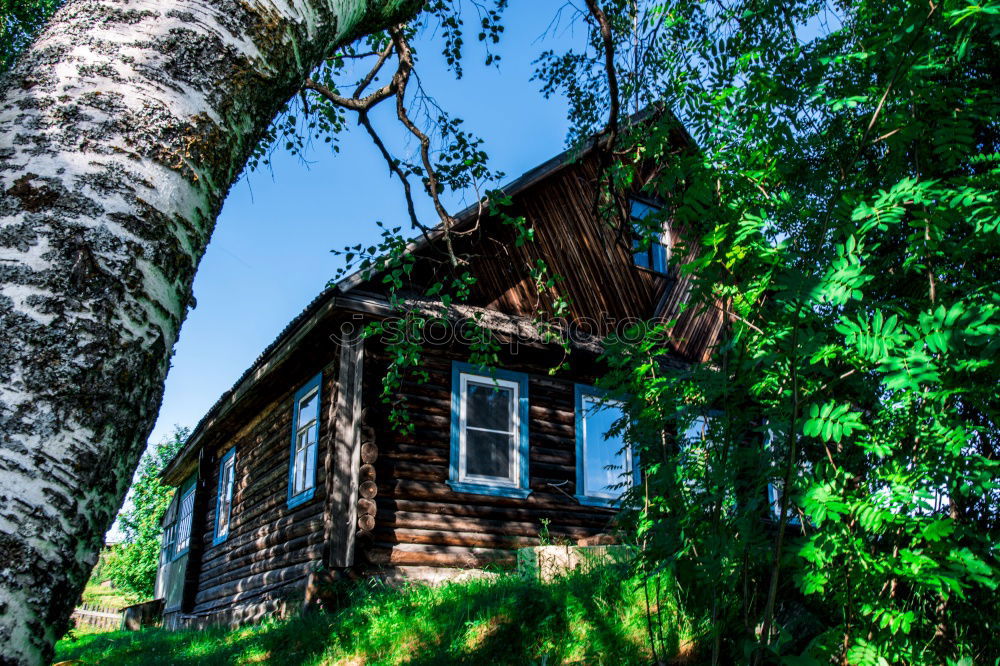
column 596, row 618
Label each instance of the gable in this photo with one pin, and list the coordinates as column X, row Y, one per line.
column 598, row 274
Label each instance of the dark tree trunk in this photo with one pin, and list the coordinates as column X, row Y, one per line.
column 121, row 131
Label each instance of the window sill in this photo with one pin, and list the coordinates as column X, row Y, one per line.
column 220, row 539
column 605, row 502
column 301, row 498
column 488, row 489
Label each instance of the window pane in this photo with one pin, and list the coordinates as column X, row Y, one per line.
column 226, row 498
column 641, row 256
column 184, row 520
column 307, row 409
column 305, row 438
column 640, row 210
column 300, row 472
column 489, row 406
column 488, row 454
column 310, row 454
column 696, row 432
column 606, row 460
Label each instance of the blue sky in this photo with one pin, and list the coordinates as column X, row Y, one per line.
column 270, row 253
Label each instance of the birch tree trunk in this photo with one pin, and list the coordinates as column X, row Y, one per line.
column 121, row 131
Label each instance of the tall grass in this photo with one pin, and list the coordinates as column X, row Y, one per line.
column 595, row 618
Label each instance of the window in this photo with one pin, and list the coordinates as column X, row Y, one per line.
column 489, row 431
column 649, row 250
column 605, row 464
column 185, row 514
column 169, row 542
column 305, row 436
column 224, row 500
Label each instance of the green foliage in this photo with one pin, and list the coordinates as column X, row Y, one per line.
column 20, row 22
column 595, row 618
column 131, row 566
column 843, row 206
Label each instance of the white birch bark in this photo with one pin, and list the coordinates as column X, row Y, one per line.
column 121, row 131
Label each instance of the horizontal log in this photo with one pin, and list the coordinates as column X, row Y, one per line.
column 366, row 523
column 367, row 507
column 369, row 453
column 245, row 588
column 442, row 523
column 447, row 556
column 542, row 498
column 368, row 489
column 256, row 587
column 254, row 553
column 575, row 515
column 473, row 539
column 366, row 472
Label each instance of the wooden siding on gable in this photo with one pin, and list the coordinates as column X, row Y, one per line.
column 593, row 260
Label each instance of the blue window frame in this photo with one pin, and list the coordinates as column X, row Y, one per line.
column 305, row 442
column 489, row 431
column 606, row 466
column 185, row 516
column 650, row 251
column 224, row 498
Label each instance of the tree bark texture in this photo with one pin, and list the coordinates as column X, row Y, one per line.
column 121, row 131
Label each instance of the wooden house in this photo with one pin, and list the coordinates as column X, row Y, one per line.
column 295, row 475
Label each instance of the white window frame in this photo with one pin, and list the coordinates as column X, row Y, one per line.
column 512, row 432
column 516, row 483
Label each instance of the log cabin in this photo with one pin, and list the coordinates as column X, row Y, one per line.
column 296, row 475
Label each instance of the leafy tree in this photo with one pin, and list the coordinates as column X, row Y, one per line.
column 20, row 21
column 132, row 565
column 837, row 498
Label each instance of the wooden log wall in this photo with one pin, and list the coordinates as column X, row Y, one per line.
column 419, row 525
column 271, row 549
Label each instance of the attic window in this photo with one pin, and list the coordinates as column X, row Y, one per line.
column 650, row 249
column 305, row 437
column 605, row 463
column 224, row 500
column 489, row 432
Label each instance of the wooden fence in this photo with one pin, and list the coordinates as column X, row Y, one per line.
column 103, row 619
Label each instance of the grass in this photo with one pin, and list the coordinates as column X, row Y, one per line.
column 593, row 618
column 105, row 597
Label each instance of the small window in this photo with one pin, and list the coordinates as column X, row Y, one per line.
column 650, row 251
column 305, row 438
column 605, row 463
column 185, row 514
column 224, row 500
column 489, row 431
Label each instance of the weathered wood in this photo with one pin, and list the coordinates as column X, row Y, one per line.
column 369, row 453
column 347, row 458
column 366, row 523
column 330, row 507
column 367, row 507
column 367, row 472
column 368, row 489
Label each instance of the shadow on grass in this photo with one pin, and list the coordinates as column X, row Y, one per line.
column 595, row 618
